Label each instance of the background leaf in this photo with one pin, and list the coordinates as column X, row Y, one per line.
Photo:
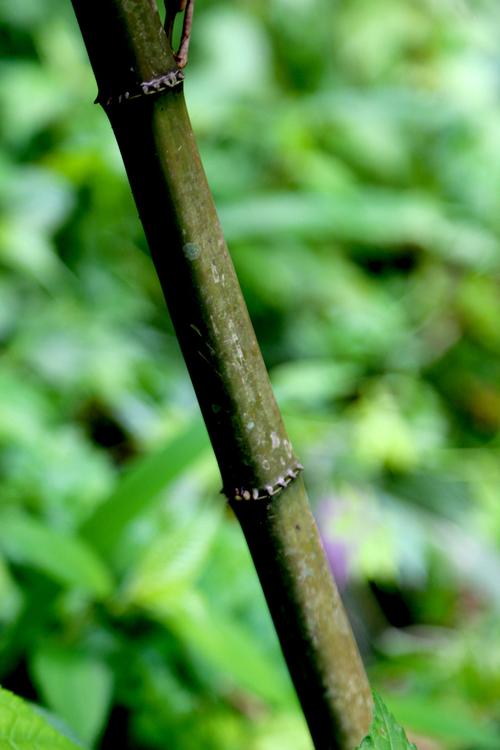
column 228, row 647
column 76, row 687
column 141, row 484
column 63, row 557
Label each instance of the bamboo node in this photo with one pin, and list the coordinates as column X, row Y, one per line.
column 265, row 493
column 146, row 88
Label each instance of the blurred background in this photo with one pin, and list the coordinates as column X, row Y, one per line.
column 353, row 149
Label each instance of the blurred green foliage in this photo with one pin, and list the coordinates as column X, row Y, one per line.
column 353, row 149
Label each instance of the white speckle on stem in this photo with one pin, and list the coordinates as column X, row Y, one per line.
column 215, row 273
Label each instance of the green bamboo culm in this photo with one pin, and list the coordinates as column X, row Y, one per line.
column 140, row 89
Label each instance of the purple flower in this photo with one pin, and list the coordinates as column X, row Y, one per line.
column 338, row 549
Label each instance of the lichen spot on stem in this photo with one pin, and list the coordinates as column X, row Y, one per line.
column 191, row 250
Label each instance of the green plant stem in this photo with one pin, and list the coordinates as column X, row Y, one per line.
column 127, row 46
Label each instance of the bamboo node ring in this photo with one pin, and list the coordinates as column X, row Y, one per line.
column 265, row 493
column 145, row 88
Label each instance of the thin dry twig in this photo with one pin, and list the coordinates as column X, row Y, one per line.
column 186, row 7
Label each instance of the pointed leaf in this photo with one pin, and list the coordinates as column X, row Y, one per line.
column 23, row 728
column 140, row 485
column 77, row 687
column 385, row 733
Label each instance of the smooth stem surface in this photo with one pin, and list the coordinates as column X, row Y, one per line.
column 309, row 617
column 128, row 46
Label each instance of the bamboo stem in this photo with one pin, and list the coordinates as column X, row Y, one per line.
column 140, row 90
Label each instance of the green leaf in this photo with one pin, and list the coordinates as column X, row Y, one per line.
column 77, row 687
column 66, row 559
column 140, row 485
column 170, row 565
column 385, row 733
column 23, row 728
column 226, row 645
